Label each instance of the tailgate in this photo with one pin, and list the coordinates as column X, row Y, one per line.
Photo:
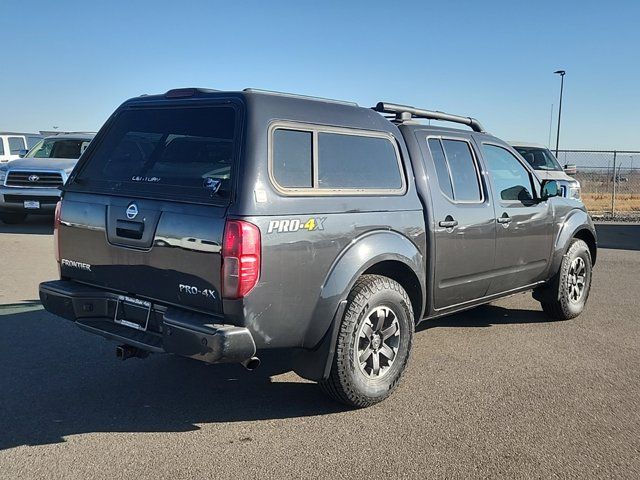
column 163, row 251
column 143, row 212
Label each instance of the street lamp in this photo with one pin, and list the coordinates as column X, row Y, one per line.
column 561, row 73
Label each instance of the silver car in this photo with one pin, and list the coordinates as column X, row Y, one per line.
column 31, row 185
column 547, row 167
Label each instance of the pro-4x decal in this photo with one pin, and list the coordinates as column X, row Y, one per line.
column 295, row 225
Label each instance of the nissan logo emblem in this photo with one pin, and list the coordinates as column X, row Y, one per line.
column 132, row 211
column 34, row 178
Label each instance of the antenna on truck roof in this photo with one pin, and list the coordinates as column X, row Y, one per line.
column 405, row 112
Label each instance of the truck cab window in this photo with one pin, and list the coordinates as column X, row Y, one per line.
column 457, row 171
column 442, row 170
column 510, row 178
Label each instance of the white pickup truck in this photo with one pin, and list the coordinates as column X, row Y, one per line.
column 13, row 144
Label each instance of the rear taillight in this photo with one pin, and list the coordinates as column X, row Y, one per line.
column 56, row 228
column 240, row 258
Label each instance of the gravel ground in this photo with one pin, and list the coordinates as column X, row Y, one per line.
column 626, row 217
column 495, row 392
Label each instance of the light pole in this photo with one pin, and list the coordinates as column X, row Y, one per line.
column 561, row 73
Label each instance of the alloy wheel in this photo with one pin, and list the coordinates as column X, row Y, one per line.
column 576, row 279
column 377, row 342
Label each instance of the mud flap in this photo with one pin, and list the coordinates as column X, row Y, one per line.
column 315, row 364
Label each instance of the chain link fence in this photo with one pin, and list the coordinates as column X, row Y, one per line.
column 610, row 181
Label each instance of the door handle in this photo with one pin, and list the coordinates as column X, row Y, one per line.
column 448, row 222
column 504, row 219
column 127, row 229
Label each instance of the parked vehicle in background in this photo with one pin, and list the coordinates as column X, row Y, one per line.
column 220, row 225
column 547, row 167
column 13, row 144
column 31, row 185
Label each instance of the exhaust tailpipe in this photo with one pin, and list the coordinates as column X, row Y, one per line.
column 127, row 351
column 251, row 363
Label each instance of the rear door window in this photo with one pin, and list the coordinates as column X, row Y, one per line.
column 442, row 169
column 464, row 172
column 457, row 170
column 171, row 152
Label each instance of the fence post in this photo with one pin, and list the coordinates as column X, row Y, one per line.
column 613, row 191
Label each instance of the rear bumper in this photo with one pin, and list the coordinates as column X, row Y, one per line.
column 173, row 330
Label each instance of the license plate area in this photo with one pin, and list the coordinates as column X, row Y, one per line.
column 133, row 313
column 32, row 204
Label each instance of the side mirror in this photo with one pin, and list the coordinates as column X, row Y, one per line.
column 22, row 152
column 550, row 188
column 570, row 169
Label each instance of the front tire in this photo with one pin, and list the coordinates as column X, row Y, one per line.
column 373, row 344
column 567, row 294
column 13, row 218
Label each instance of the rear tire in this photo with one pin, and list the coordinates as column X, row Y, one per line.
column 13, row 218
column 373, row 344
column 566, row 295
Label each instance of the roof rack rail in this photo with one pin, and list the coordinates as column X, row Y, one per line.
column 405, row 112
column 295, row 95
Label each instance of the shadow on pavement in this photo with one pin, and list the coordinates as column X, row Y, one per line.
column 618, row 236
column 56, row 380
column 486, row 316
column 34, row 225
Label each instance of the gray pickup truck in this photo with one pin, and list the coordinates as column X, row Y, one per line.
column 220, row 225
column 31, row 185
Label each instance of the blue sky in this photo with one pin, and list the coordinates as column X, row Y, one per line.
column 71, row 63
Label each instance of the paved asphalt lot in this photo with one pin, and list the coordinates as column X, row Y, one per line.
column 495, row 392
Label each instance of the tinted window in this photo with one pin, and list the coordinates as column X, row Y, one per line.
column 176, row 152
column 1, row 146
column 510, row 179
column 357, row 162
column 464, row 173
column 539, row 158
column 16, row 144
column 292, row 158
column 444, row 180
column 58, row 148
column 67, row 149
